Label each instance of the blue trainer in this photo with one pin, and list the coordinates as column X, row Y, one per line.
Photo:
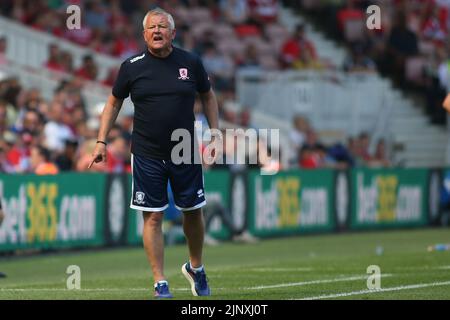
column 198, row 281
column 162, row 290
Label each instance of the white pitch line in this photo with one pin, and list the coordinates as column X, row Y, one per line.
column 82, row 289
column 279, row 269
column 443, row 268
column 281, row 285
column 305, row 283
column 74, row 290
column 354, row 293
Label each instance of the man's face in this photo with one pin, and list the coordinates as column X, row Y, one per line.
column 54, row 51
column 35, row 158
column 31, row 121
column 157, row 33
column 365, row 142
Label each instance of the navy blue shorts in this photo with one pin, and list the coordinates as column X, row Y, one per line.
column 149, row 185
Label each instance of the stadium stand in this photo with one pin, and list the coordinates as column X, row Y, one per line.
column 243, row 46
column 411, row 49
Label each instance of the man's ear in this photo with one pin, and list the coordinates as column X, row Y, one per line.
column 174, row 33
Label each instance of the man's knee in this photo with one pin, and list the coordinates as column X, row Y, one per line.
column 192, row 214
column 153, row 219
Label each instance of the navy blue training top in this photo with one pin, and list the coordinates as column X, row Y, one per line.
column 163, row 93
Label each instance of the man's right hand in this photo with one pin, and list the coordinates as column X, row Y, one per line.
column 99, row 154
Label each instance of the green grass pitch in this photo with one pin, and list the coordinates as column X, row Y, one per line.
column 316, row 266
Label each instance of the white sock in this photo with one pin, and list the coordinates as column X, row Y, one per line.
column 161, row 282
column 199, row 269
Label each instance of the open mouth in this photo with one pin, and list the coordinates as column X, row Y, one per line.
column 157, row 39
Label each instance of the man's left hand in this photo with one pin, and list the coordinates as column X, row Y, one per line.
column 213, row 150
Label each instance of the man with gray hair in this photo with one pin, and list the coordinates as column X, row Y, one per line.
column 162, row 82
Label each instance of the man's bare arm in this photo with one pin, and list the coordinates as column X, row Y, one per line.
column 108, row 117
column 210, row 108
column 211, row 111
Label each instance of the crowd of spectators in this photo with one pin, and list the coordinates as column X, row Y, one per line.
column 228, row 34
column 54, row 135
column 47, row 137
column 310, row 153
column 412, row 45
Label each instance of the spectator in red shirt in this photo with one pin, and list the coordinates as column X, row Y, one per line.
column 49, row 21
column 363, row 150
column 66, row 61
column 54, row 58
column 434, row 26
column 19, row 155
column 350, row 12
column 263, row 11
column 88, row 70
column 292, row 49
column 308, row 158
column 101, row 42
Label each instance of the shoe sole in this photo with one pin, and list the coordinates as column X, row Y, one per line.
column 189, row 278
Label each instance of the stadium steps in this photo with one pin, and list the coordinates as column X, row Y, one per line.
column 420, row 143
column 325, row 48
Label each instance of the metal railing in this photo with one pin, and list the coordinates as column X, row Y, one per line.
column 331, row 100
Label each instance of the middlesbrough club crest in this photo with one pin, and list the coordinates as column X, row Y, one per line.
column 183, row 74
column 139, row 197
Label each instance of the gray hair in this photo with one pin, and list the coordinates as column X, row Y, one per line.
column 157, row 12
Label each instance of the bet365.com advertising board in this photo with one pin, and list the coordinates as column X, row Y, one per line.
column 74, row 210
column 291, row 202
column 52, row 211
column 384, row 198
